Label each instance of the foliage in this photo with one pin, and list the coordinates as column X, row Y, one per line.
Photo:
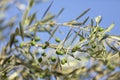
column 28, row 56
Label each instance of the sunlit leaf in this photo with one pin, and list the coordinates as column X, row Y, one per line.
column 98, row 19
column 47, row 19
column 109, row 28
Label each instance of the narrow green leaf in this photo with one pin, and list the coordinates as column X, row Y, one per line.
column 6, row 60
column 53, row 32
column 12, row 38
column 85, row 20
column 24, row 17
column 31, row 3
column 21, row 31
column 60, row 12
column 104, row 37
column 77, row 24
column 77, row 33
column 17, row 31
column 36, row 26
column 109, row 28
column 31, row 19
column 82, row 14
column 68, row 35
column 110, row 46
column 47, row 19
column 92, row 22
column 116, row 37
column 47, row 10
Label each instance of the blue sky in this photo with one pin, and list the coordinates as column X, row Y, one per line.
column 108, row 9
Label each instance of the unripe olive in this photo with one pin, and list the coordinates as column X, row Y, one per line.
column 44, row 54
column 57, row 40
column 40, row 59
column 63, row 61
column 21, row 44
column 93, row 46
column 47, row 43
column 81, row 38
column 110, row 67
column 53, row 58
column 42, row 75
column 73, row 50
column 33, row 43
column 37, row 38
column 59, row 52
column 44, row 46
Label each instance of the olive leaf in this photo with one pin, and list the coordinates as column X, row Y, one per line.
column 109, row 28
column 60, row 12
column 31, row 3
column 85, row 20
column 82, row 14
column 17, row 31
column 47, row 10
column 98, row 19
column 12, row 38
column 32, row 17
column 21, row 31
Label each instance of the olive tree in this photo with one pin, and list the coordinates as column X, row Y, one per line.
column 35, row 49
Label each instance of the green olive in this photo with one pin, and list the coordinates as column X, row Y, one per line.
column 44, row 46
column 53, row 58
column 42, row 75
column 33, row 43
column 110, row 67
column 73, row 50
column 59, row 52
column 63, row 61
column 40, row 59
column 81, row 38
column 57, row 40
column 21, row 44
column 37, row 38
column 44, row 54
column 93, row 46
column 47, row 43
